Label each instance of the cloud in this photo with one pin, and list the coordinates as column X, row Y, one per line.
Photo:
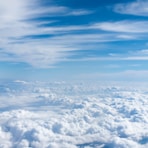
column 25, row 40
column 139, row 8
column 15, row 44
column 46, row 52
column 133, row 55
column 80, row 12
column 124, row 26
column 67, row 115
column 138, row 55
column 57, row 11
column 21, row 45
column 12, row 12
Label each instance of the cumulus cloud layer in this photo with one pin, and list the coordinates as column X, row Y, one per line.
column 67, row 115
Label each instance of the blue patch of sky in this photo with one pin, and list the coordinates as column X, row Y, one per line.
column 77, row 4
column 117, row 47
column 101, row 11
column 41, row 36
column 13, row 70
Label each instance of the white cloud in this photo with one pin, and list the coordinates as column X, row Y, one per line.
column 132, row 55
column 114, row 115
column 139, row 7
column 137, row 55
column 80, row 12
column 140, row 55
column 127, row 36
column 142, row 52
column 124, row 26
column 46, row 52
column 12, row 12
column 14, row 27
column 58, row 11
column 39, row 53
column 16, row 47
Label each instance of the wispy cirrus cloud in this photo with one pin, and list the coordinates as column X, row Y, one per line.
column 58, row 11
column 12, row 12
column 124, row 26
column 42, row 46
column 45, row 52
column 131, row 55
column 141, row 54
column 15, row 28
column 139, row 7
column 138, row 55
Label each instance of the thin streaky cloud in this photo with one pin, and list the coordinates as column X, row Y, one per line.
column 124, row 26
column 56, row 11
column 45, row 52
column 14, row 26
column 18, row 33
column 139, row 8
column 80, row 12
column 140, row 55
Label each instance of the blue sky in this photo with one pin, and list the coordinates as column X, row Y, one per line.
column 74, row 40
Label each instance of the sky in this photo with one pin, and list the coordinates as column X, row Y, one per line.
column 74, row 40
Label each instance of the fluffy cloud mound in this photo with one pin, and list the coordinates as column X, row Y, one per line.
column 63, row 115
